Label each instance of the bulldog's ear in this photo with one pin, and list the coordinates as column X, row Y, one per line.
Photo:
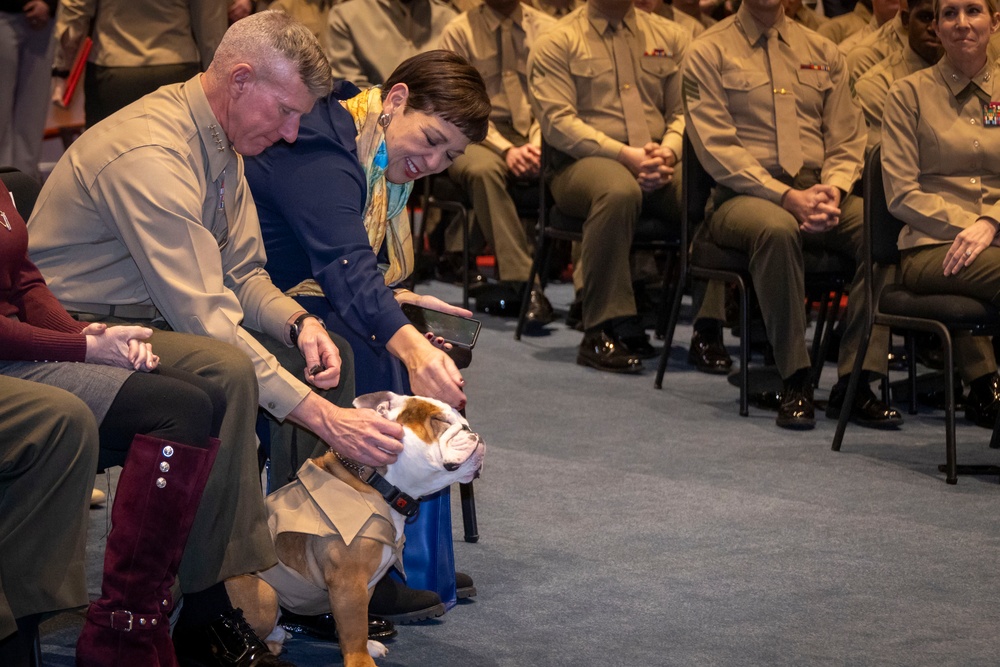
column 374, row 399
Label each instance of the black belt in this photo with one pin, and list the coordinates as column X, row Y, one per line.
column 127, row 311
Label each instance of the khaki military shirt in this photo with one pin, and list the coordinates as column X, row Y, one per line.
column 808, row 18
column 877, row 46
column 873, row 86
column 137, row 33
column 730, row 107
column 941, row 155
column 841, row 27
column 368, row 38
column 574, row 88
column 310, row 13
column 475, row 35
column 150, row 207
column 556, row 9
column 686, row 21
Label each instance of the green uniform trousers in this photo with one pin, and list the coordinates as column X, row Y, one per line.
column 923, row 272
column 770, row 236
column 48, row 458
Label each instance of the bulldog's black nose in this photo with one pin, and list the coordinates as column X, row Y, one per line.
column 452, row 467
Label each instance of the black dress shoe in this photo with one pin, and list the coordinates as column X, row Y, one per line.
column 400, row 604
column 324, row 627
column 464, row 586
column 501, row 300
column 228, row 641
column 796, row 410
column 601, row 351
column 709, row 355
column 638, row 345
column 540, row 310
column 868, row 409
column 981, row 407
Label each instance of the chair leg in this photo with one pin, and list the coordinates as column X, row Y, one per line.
column 469, row 521
column 951, row 458
column 464, row 219
column 668, row 333
column 663, row 314
column 817, row 358
column 911, row 353
column 744, row 348
column 852, row 388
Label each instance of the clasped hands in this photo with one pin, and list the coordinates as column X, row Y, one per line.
column 652, row 165
column 121, row 346
column 817, row 208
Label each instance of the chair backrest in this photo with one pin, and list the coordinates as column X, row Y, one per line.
column 882, row 227
column 696, row 185
column 24, row 188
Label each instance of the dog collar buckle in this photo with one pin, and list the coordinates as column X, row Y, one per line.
column 397, row 500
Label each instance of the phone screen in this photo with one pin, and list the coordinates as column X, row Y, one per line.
column 456, row 330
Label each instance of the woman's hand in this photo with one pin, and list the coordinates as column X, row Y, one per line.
column 432, row 372
column 121, row 346
column 431, row 302
column 968, row 244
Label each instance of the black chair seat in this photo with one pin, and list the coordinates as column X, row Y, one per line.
column 445, row 189
column 954, row 311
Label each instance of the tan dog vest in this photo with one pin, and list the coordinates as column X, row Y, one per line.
column 320, row 504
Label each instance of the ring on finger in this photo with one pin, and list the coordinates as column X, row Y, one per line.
column 968, row 253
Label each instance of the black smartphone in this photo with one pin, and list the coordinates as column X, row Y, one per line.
column 459, row 331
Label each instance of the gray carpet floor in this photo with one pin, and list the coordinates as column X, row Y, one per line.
column 630, row 527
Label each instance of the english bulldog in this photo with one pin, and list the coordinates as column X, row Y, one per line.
column 338, row 528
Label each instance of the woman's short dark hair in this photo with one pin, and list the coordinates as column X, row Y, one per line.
column 445, row 84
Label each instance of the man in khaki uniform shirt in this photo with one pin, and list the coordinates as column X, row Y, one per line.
column 771, row 118
column 148, row 215
column 616, row 138
column 886, row 40
column 841, row 27
column 512, row 148
column 922, row 49
column 139, row 45
column 367, row 38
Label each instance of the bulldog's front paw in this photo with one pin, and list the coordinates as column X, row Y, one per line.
column 276, row 640
column 376, row 649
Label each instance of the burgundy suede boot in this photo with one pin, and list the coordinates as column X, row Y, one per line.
column 157, row 496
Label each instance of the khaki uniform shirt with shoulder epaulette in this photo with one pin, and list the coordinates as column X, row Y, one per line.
column 139, row 33
column 574, row 89
column 475, row 35
column 940, row 153
column 690, row 23
column 310, row 13
column 841, row 27
column 555, row 9
column 873, row 86
column 729, row 105
column 150, row 207
column 809, row 18
column 368, row 38
column 876, row 47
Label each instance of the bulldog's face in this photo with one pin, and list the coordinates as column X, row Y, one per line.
column 438, row 447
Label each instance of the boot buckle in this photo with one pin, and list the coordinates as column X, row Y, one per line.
column 121, row 620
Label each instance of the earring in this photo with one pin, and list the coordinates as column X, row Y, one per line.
column 384, row 120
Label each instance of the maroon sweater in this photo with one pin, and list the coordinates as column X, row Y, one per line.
column 42, row 330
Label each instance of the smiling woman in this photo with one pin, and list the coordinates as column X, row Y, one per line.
column 941, row 159
column 332, row 208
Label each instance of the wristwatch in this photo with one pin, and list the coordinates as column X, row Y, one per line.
column 296, row 328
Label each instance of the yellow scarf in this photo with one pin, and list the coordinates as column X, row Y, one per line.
column 385, row 214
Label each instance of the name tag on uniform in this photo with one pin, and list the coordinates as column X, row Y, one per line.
column 991, row 114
